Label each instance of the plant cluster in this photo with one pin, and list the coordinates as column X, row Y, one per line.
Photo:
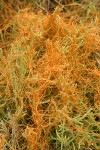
column 50, row 81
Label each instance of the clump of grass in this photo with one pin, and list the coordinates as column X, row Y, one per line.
column 49, row 83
